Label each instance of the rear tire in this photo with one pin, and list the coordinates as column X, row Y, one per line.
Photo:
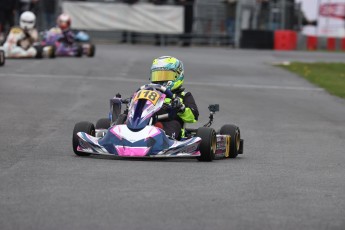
column 235, row 141
column 2, row 58
column 208, row 143
column 92, row 50
column 85, row 127
column 103, row 123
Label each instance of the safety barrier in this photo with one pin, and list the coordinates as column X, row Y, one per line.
column 314, row 43
column 208, row 23
column 285, row 40
column 140, row 17
column 291, row 40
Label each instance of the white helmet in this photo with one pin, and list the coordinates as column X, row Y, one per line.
column 27, row 20
column 64, row 21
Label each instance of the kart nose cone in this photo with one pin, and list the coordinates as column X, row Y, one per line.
column 126, row 151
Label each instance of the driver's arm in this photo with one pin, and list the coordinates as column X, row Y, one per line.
column 31, row 35
column 191, row 112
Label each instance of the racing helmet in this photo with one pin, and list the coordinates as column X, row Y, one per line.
column 167, row 71
column 27, row 20
column 64, row 21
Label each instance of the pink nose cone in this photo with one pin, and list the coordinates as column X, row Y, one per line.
column 131, row 151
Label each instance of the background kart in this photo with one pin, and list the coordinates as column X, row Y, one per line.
column 132, row 133
column 81, row 47
column 2, row 57
column 42, row 52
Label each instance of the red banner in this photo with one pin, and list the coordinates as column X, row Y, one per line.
column 334, row 10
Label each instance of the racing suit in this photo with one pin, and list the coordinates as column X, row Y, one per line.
column 174, row 125
column 68, row 37
column 19, row 43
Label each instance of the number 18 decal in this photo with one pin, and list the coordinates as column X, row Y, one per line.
column 148, row 95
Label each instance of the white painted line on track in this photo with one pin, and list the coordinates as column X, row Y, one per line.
column 124, row 79
column 72, row 77
column 250, row 86
column 277, row 87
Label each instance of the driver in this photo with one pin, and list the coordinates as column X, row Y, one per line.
column 169, row 72
column 20, row 40
column 64, row 22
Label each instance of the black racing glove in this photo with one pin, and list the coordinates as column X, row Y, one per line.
column 178, row 105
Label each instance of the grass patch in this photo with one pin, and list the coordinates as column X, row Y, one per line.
column 330, row 76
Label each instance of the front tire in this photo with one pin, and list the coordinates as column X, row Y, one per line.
column 208, row 143
column 79, row 51
column 39, row 54
column 85, row 127
column 92, row 50
column 48, row 51
column 235, row 141
column 103, row 123
column 52, row 52
column 121, row 119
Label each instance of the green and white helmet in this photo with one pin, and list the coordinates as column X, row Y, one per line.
column 167, row 71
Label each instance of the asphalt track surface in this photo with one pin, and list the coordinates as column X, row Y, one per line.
column 291, row 175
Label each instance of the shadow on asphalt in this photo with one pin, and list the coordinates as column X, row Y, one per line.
column 149, row 159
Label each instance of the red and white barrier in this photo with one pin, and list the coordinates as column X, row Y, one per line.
column 291, row 40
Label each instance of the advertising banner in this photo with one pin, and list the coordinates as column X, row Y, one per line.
column 139, row 17
column 330, row 17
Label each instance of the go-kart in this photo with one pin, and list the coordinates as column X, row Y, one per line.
column 132, row 133
column 2, row 57
column 24, row 47
column 81, row 47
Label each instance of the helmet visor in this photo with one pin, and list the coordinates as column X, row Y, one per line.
column 163, row 75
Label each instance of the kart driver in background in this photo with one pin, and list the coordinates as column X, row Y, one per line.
column 64, row 23
column 169, row 72
column 20, row 40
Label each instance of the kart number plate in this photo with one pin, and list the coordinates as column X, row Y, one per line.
column 150, row 95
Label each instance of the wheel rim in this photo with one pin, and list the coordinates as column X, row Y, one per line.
column 214, row 144
column 237, row 141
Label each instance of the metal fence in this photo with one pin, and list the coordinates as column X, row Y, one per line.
column 267, row 15
column 210, row 23
column 210, row 26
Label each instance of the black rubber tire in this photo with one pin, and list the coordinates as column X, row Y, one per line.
column 103, row 123
column 208, row 143
column 92, row 50
column 53, row 52
column 80, row 51
column 39, row 50
column 121, row 119
column 2, row 58
column 235, row 135
column 86, row 127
